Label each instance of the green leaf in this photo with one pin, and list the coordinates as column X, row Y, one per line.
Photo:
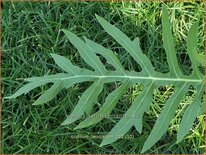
column 143, row 105
column 65, row 64
column 49, row 94
column 169, row 45
column 27, row 88
column 108, row 54
column 202, row 108
column 190, row 114
column 192, row 39
column 107, row 107
column 131, row 117
column 66, row 79
column 86, row 53
column 165, row 117
column 130, row 46
column 138, row 123
column 201, row 59
column 87, row 98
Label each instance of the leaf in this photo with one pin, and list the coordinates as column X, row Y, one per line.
column 169, row 45
column 108, row 54
column 107, row 107
column 143, row 105
column 87, row 98
column 48, row 78
column 89, row 57
column 192, row 49
column 202, row 108
column 201, row 59
column 49, row 94
column 190, row 114
column 65, row 64
column 165, row 117
column 130, row 46
column 66, row 79
column 148, row 77
column 27, row 88
column 129, row 119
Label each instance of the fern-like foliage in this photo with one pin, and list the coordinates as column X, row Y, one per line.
column 148, row 77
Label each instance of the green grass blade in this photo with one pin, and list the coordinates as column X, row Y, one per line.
column 86, row 53
column 87, row 98
column 190, row 114
column 65, row 64
column 125, row 42
column 49, row 94
column 165, row 117
column 169, row 45
column 107, row 107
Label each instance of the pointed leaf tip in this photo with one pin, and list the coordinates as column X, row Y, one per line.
column 79, row 127
column 35, row 103
column 8, row 97
column 49, row 94
column 178, row 141
column 103, row 143
column 64, row 30
column 53, row 55
column 96, row 15
column 62, row 124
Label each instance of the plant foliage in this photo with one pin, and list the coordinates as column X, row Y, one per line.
column 148, row 77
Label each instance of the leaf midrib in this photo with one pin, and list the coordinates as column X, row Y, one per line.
column 129, row 77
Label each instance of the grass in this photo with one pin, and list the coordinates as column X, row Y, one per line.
column 32, row 30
